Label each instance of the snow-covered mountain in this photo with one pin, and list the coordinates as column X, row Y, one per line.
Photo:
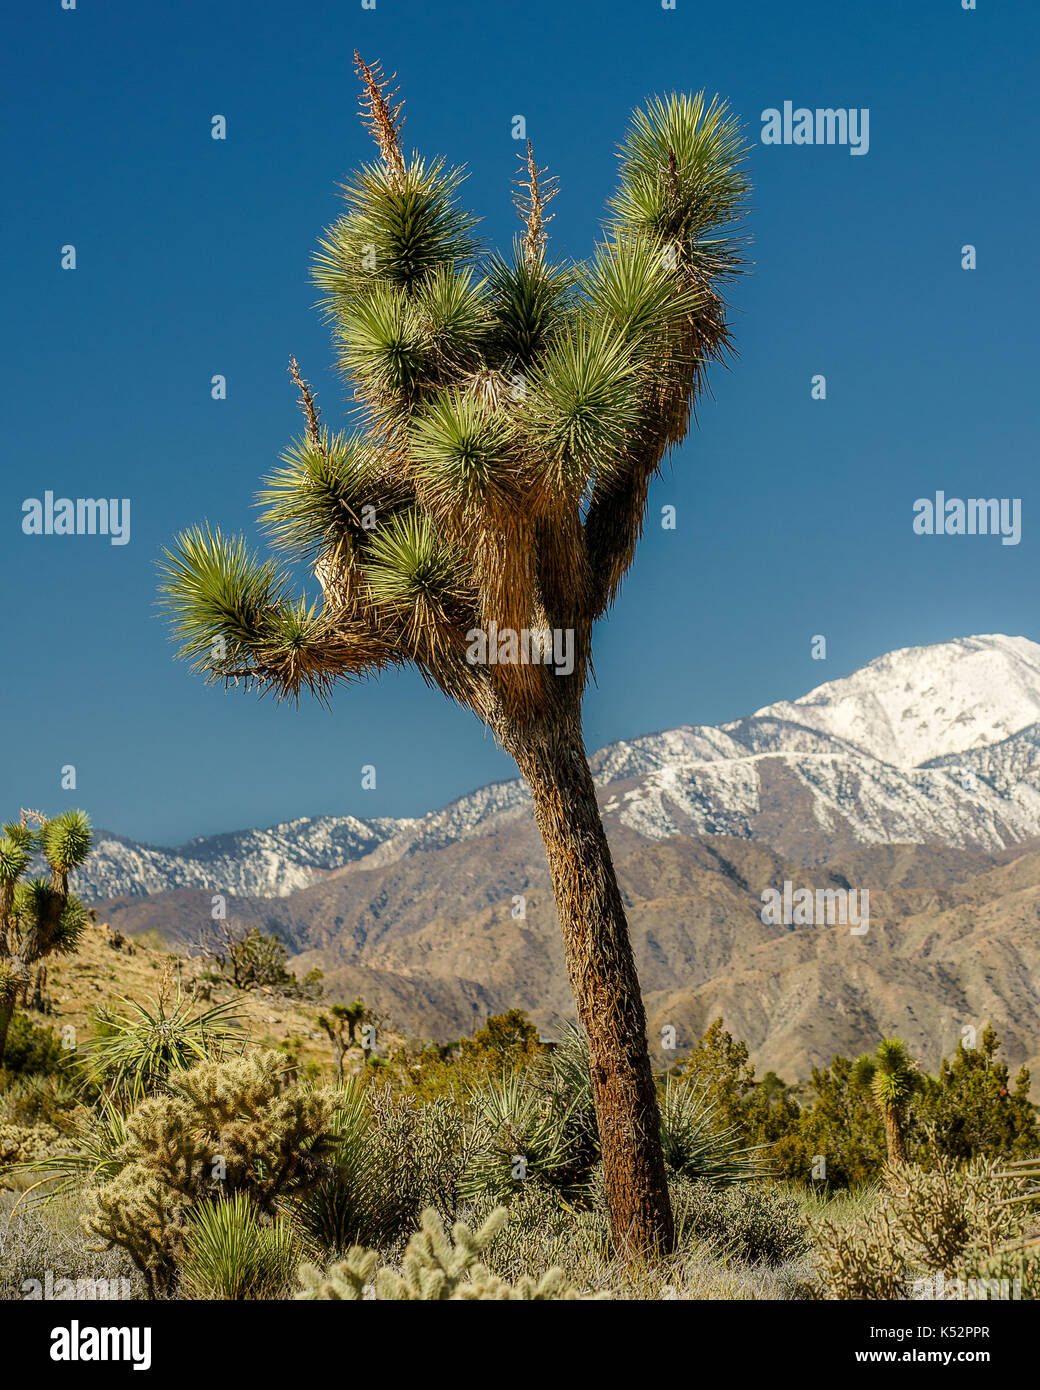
column 937, row 744
column 258, row 863
column 921, row 703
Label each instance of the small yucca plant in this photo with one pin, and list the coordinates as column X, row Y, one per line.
column 231, row 1252
column 523, row 1137
column 137, row 1047
column 892, row 1078
column 696, row 1145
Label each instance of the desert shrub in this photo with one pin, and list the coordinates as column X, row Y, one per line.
column 231, row 1252
column 38, row 1098
column 508, row 1037
column 842, row 1125
column 434, row 1269
column 953, row 1221
column 972, row 1110
column 90, row 1153
column 432, row 1071
column 544, row 1229
column 25, row 1144
column 861, row 1261
column 48, row 1244
column 563, row 1076
column 32, row 1049
column 749, row 1221
column 259, row 959
column 422, row 1150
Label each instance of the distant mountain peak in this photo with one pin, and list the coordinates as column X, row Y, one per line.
column 916, row 704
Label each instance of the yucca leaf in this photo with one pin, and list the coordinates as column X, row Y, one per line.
column 70, row 927
column 231, row 1252
column 454, row 314
column 529, row 304
column 220, row 598
column 14, row 860
column 464, row 454
column 683, row 177
column 582, row 406
column 406, row 561
column 386, row 349
column 318, row 498
column 395, row 234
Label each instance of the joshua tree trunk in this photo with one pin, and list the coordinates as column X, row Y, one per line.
column 603, row 980
column 894, row 1145
column 6, row 1014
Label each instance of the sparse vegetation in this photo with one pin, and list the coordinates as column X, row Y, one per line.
column 211, row 1168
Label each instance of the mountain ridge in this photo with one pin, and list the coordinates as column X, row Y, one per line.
column 809, row 777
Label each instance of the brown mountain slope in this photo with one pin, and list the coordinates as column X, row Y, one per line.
column 432, row 941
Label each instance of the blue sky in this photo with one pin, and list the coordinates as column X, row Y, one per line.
column 794, row 515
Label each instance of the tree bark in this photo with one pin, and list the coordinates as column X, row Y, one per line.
column 603, row 980
column 6, row 1014
column 894, row 1145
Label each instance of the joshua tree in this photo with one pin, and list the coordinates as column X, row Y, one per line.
column 340, row 1023
column 38, row 917
column 511, row 415
column 892, row 1079
column 353, row 1014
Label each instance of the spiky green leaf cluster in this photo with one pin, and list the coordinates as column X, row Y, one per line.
column 512, row 412
column 464, row 459
column 231, row 1252
column 318, row 499
column 66, row 840
column 397, row 234
column 683, row 178
column 894, row 1076
column 14, row 860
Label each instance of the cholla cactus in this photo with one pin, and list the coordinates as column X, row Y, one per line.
column 239, row 1126
column 932, row 1227
column 435, row 1270
column 38, row 917
column 348, row 1280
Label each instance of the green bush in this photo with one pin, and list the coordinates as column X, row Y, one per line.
column 33, row 1049
column 750, row 1221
